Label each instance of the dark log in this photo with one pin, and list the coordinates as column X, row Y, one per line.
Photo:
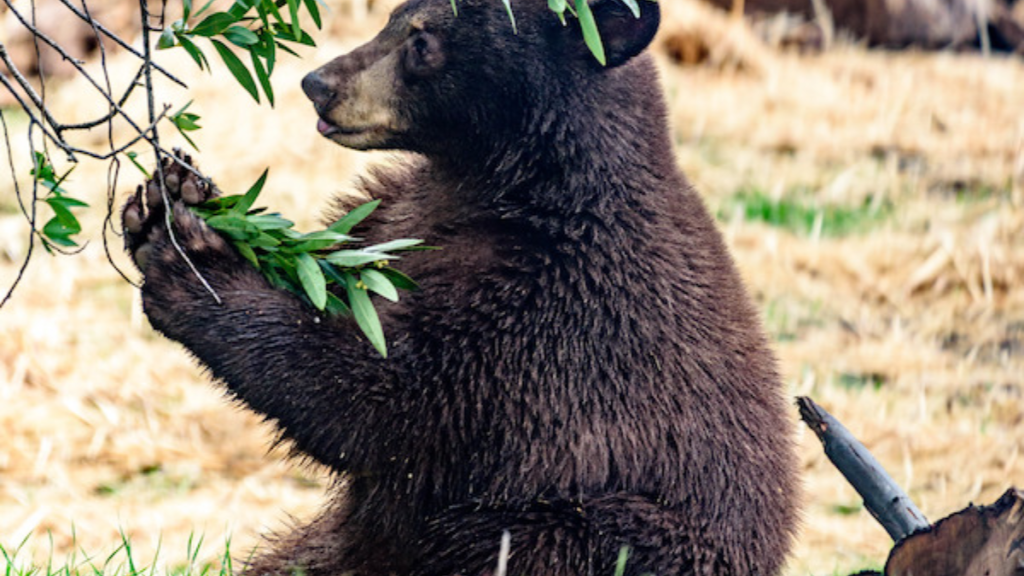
column 977, row 541
column 883, row 498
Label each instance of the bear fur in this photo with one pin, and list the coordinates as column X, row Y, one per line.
column 582, row 366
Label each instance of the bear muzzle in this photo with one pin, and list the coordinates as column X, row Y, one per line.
column 317, row 90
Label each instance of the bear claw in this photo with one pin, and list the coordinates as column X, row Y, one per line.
column 144, row 215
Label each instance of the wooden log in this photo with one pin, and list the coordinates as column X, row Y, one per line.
column 977, row 541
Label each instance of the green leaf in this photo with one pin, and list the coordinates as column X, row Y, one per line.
column 293, row 10
column 349, row 221
column 633, row 6
column 64, row 216
column 240, row 36
column 394, row 245
column 319, row 240
column 240, row 7
column 314, row 12
column 57, row 238
column 312, row 279
column 264, row 77
column 285, row 32
column 620, row 562
column 55, row 229
column 511, row 16
column 365, row 315
column 246, row 251
column 186, row 9
column 193, row 51
column 250, row 195
column 557, row 6
column 332, row 273
column 354, row 258
column 220, row 203
column 66, row 201
column 133, row 157
column 214, row 24
column 266, row 49
column 186, row 122
column 238, row 70
column 270, row 7
column 336, row 307
column 379, row 283
column 204, row 8
column 56, row 186
column 270, row 222
column 266, row 241
column 398, row 279
column 590, row 34
column 166, row 39
column 235, row 227
column 42, row 169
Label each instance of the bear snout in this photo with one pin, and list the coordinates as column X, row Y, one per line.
column 318, row 91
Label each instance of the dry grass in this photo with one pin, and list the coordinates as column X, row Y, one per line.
column 910, row 329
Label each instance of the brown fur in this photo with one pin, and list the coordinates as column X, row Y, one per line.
column 582, row 366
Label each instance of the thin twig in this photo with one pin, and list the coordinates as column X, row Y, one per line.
column 155, row 141
column 25, row 85
column 59, row 128
column 73, row 150
column 114, row 167
column 144, row 57
column 30, row 213
column 113, row 109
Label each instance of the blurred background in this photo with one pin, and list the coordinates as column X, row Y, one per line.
column 866, row 167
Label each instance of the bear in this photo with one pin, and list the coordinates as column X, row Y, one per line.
column 581, row 368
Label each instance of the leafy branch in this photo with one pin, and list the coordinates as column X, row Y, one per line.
column 59, row 229
column 255, row 26
column 313, row 265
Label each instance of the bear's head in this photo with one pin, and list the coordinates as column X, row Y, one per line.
column 445, row 74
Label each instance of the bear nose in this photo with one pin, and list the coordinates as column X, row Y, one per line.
column 317, row 90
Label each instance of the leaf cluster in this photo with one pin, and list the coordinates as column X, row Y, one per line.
column 257, row 27
column 314, row 265
column 59, row 229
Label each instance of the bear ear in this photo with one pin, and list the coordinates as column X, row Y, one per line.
column 623, row 34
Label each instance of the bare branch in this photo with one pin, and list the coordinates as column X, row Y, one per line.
column 58, row 127
column 114, row 109
column 117, row 40
column 27, row 87
column 30, row 212
column 883, row 498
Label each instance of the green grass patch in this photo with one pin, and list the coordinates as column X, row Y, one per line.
column 120, row 562
column 802, row 214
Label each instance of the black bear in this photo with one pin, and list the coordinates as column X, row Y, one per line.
column 582, row 366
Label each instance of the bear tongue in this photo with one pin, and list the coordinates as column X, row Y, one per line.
column 323, row 127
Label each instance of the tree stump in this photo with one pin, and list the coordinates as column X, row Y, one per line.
column 977, row 541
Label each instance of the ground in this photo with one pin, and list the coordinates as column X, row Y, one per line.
column 874, row 202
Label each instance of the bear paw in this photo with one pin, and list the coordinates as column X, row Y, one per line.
column 145, row 220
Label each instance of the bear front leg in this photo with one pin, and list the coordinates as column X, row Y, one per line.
column 324, row 386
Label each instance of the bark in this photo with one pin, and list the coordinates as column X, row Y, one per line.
column 883, row 498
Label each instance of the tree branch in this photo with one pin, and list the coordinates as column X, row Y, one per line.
column 883, row 498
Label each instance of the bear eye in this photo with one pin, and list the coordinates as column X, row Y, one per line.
column 423, row 54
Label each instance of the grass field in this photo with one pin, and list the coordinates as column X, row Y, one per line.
column 874, row 202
